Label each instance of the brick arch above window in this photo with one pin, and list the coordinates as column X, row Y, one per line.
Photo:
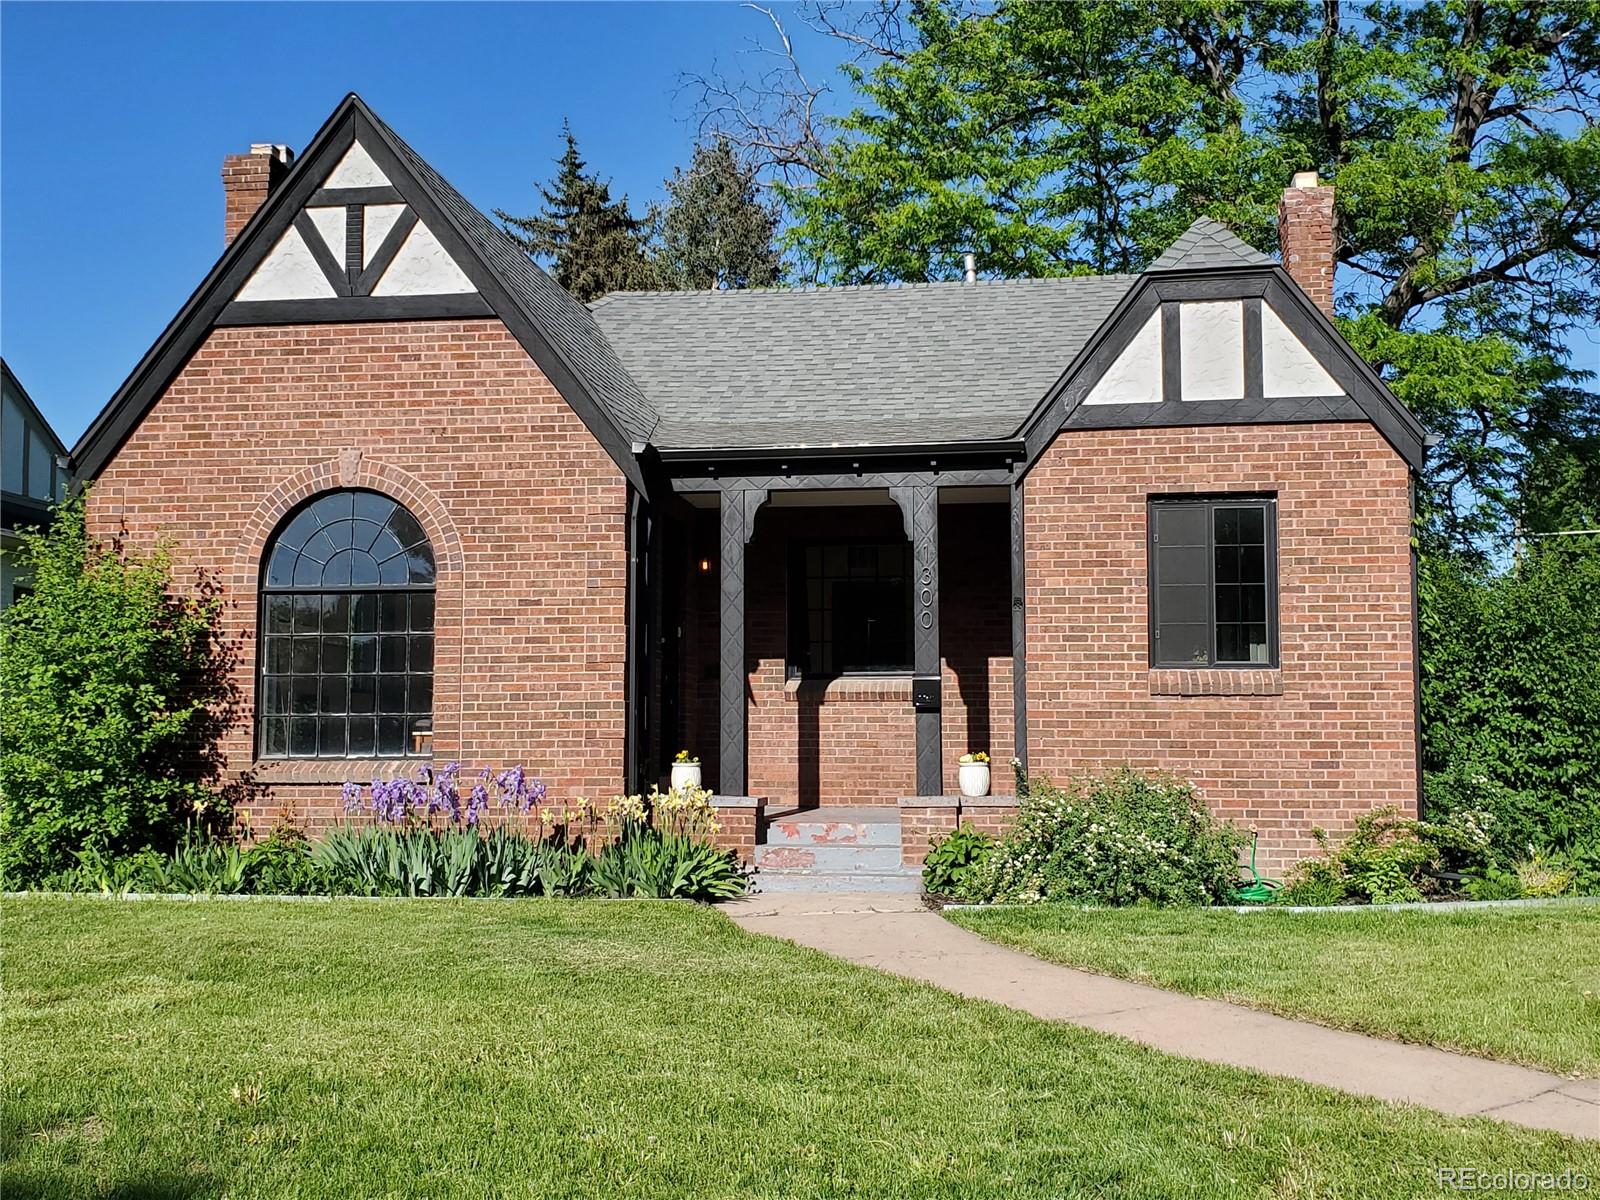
column 348, row 470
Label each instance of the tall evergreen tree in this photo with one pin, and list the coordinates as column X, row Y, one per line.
column 594, row 244
column 715, row 231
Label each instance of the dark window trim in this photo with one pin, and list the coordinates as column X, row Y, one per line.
column 1211, row 502
column 265, row 593
column 794, row 588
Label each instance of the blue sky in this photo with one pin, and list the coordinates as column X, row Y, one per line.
column 115, row 118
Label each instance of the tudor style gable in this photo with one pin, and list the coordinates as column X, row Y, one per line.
column 1215, row 333
column 357, row 237
column 362, row 229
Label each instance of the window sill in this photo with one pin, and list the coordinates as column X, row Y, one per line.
column 1216, row 681
column 848, row 688
column 332, row 770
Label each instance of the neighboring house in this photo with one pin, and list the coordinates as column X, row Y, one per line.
column 32, row 477
column 826, row 539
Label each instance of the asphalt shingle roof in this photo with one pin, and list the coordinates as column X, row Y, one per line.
column 852, row 366
column 1208, row 243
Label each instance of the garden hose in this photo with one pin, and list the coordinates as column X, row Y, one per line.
column 1260, row 890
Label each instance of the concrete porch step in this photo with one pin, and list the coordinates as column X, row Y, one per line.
column 829, row 856
column 905, row 881
column 835, row 827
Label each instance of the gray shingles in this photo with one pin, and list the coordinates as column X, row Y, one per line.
column 1208, row 243
column 852, row 366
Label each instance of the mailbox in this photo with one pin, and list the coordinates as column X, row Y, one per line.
column 925, row 693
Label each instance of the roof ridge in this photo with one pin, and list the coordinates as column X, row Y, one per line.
column 814, row 289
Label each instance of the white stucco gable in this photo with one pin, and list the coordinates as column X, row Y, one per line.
column 1287, row 367
column 356, row 170
column 356, row 237
column 289, row 272
column 1215, row 346
column 422, row 268
column 1135, row 376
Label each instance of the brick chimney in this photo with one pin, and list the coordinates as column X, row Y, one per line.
column 246, row 181
column 1305, row 237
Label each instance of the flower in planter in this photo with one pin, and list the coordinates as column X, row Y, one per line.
column 684, row 757
column 977, row 756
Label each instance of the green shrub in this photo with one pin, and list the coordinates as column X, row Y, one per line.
column 649, row 863
column 1316, row 882
column 108, row 686
column 1495, row 884
column 951, row 858
column 1122, row 838
column 1542, row 876
column 1511, row 694
column 1388, row 858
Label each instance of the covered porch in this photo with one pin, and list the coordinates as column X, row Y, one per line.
column 835, row 640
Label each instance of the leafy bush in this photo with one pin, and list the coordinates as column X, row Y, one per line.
column 951, row 858
column 108, row 684
column 1511, row 695
column 667, row 866
column 380, row 860
column 1495, row 884
column 1388, row 858
column 1542, row 876
column 1122, row 838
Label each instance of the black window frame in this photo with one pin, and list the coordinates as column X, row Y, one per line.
column 1211, row 503
column 414, row 720
column 797, row 635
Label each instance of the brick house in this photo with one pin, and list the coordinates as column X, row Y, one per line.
column 826, row 539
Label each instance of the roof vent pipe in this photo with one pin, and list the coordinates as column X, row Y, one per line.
column 971, row 261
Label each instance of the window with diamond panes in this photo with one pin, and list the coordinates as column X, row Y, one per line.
column 346, row 634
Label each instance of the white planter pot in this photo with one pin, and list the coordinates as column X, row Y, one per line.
column 685, row 775
column 974, row 779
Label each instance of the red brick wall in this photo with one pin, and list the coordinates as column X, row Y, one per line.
column 1305, row 240
column 246, row 181
column 1338, row 737
column 853, row 741
column 526, row 513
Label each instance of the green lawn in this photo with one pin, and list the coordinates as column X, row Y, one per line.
column 361, row 1049
column 1521, row 984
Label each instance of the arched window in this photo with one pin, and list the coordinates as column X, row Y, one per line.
column 346, row 649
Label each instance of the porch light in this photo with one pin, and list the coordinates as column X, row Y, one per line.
column 705, row 566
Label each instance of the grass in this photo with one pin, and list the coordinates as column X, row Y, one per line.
column 1519, row 984
column 361, row 1049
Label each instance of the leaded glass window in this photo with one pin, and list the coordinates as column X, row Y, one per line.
column 346, row 632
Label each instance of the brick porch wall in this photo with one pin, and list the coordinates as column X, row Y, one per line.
column 1324, row 739
column 526, row 513
column 864, row 726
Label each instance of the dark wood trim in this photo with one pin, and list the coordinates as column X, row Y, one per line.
column 737, row 524
column 1212, row 287
column 1297, row 410
column 1254, row 384
column 354, row 308
column 385, row 253
column 331, row 270
column 328, row 197
column 355, row 230
column 925, row 634
column 874, row 481
column 1019, row 626
column 1171, row 352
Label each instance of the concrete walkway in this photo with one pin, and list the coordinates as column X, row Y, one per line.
column 896, row 934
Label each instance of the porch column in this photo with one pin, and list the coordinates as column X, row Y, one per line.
column 1019, row 628
column 738, row 513
column 925, row 639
